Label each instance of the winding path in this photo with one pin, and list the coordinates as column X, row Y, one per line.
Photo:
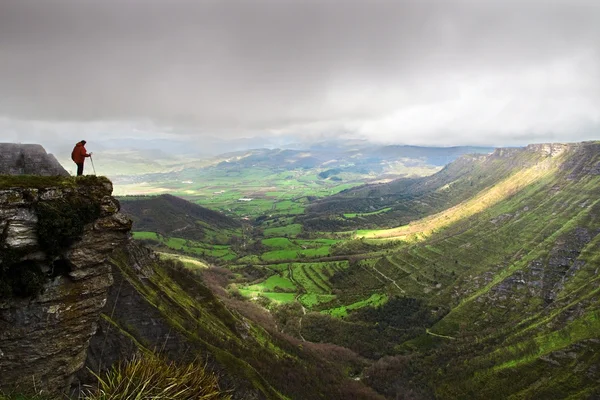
column 440, row 336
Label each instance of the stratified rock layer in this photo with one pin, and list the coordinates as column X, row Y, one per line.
column 44, row 339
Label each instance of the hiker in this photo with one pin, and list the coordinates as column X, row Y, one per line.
column 78, row 156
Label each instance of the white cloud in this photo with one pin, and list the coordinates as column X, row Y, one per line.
column 462, row 72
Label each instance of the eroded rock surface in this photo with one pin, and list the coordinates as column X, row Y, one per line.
column 44, row 338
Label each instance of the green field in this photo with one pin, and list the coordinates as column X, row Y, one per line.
column 282, row 243
column 290, row 230
column 306, row 281
column 187, row 246
column 266, row 191
column 291, row 249
column 311, row 300
column 273, row 282
column 276, row 297
column 374, row 300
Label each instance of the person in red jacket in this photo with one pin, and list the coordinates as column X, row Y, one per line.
column 78, row 156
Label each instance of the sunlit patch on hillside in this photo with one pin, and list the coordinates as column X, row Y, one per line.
column 421, row 229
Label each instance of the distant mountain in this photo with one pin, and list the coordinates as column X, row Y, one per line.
column 367, row 158
column 172, row 216
column 438, row 156
column 135, row 157
column 412, row 198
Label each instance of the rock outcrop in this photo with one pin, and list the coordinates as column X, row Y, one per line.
column 53, row 286
column 28, row 159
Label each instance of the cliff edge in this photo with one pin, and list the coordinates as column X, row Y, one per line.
column 56, row 233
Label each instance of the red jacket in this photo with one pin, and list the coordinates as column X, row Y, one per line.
column 79, row 153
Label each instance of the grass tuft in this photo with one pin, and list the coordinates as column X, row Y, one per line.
column 154, row 377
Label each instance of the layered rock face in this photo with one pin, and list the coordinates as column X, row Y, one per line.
column 28, row 159
column 44, row 335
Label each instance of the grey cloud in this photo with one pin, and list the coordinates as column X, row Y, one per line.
column 394, row 71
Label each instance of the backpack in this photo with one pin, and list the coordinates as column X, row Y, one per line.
column 75, row 150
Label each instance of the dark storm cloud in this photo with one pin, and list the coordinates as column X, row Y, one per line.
column 401, row 71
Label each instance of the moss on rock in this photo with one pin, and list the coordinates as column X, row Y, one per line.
column 61, row 222
column 63, row 207
column 41, row 182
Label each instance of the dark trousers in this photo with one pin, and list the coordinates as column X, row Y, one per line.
column 79, row 169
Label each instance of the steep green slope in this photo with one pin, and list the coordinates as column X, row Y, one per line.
column 172, row 216
column 404, row 200
column 159, row 306
column 519, row 270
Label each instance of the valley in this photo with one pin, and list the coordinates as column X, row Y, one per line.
column 278, row 181
column 482, row 277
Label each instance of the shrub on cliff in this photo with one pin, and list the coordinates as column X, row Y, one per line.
column 23, row 279
column 61, row 222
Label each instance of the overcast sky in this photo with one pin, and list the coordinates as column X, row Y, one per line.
column 405, row 72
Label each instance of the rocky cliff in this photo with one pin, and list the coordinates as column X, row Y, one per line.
column 56, row 234
column 28, row 159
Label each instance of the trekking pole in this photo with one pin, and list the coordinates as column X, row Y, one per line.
column 94, row 168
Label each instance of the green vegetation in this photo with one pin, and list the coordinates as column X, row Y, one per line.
column 212, row 188
column 374, row 300
column 172, row 216
column 475, row 281
column 276, row 288
column 44, row 182
column 61, row 222
column 188, row 247
column 293, row 249
column 354, row 215
column 313, row 300
column 257, row 357
column 277, row 297
column 290, row 230
column 19, row 278
column 254, row 184
column 283, row 243
column 149, row 377
column 274, row 282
